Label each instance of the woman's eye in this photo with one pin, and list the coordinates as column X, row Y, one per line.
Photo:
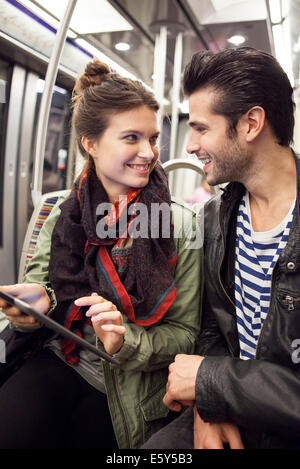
column 131, row 138
column 153, row 140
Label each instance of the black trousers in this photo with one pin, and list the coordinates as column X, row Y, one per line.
column 46, row 404
column 179, row 434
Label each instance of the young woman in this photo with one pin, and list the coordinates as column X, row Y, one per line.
column 121, row 274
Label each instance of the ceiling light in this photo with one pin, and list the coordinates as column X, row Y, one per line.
column 123, row 46
column 111, row 63
column 237, row 39
column 89, row 16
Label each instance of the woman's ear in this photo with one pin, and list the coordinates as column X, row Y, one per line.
column 89, row 145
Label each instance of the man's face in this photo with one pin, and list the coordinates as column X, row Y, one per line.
column 225, row 156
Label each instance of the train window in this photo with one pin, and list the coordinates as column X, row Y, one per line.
column 4, row 90
column 57, row 141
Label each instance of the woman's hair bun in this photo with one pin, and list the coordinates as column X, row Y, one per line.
column 95, row 73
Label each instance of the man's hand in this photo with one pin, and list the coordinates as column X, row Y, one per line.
column 33, row 294
column 214, row 435
column 107, row 321
column 181, row 381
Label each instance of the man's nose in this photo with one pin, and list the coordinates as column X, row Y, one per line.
column 193, row 145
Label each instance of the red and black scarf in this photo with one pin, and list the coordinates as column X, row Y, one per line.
column 81, row 262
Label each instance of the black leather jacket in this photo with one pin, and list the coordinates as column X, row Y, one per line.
column 261, row 396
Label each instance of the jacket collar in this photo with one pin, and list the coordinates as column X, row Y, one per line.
column 234, row 191
column 230, row 201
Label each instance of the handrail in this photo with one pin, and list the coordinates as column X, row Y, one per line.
column 42, row 125
column 185, row 163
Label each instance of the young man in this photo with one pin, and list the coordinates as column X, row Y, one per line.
column 245, row 382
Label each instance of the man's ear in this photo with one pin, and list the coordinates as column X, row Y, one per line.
column 89, row 145
column 252, row 123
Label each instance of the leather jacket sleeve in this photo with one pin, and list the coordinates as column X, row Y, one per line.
column 254, row 394
column 261, row 396
column 210, row 341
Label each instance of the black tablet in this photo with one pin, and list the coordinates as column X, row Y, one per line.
column 55, row 326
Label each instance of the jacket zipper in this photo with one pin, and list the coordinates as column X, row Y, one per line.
column 113, row 377
column 219, row 272
column 220, row 263
column 258, row 339
column 291, row 300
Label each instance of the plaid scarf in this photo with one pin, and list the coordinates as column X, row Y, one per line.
column 81, row 261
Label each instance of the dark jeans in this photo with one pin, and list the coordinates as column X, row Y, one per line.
column 179, row 435
column 176, row 435
column 46, row 404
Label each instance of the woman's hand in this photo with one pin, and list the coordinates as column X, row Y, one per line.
column 107, row 321
column 33, row 294
column 214, row 435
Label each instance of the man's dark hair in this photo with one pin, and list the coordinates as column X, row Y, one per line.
column 244, row 77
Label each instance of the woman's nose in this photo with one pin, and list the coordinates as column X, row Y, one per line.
column 146, row 151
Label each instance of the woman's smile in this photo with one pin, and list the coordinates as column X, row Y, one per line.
column 127, row 151
column 142, row 169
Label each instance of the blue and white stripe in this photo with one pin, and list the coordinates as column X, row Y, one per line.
column 256, row 255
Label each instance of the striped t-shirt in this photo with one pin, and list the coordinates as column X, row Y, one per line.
column 256, row 255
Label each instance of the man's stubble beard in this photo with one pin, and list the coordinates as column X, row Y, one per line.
column 233, row 165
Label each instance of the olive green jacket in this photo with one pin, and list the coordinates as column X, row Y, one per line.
column 135, row 388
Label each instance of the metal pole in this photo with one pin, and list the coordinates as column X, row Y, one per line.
column 160, row 54
column 176, row 93
column 269, row 27
column 175, row 101
column 43, row 119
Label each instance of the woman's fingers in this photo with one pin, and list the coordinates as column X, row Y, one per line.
column 89, row 300
column 11, row 311
column 114, row 328
column 101, row 307
column 22, row 320
column 97, row 304
column 107, row 316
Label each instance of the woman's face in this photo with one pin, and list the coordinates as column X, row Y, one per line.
column 126, row 152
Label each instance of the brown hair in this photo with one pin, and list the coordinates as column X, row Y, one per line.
column 245, row 77
column 98, row 94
